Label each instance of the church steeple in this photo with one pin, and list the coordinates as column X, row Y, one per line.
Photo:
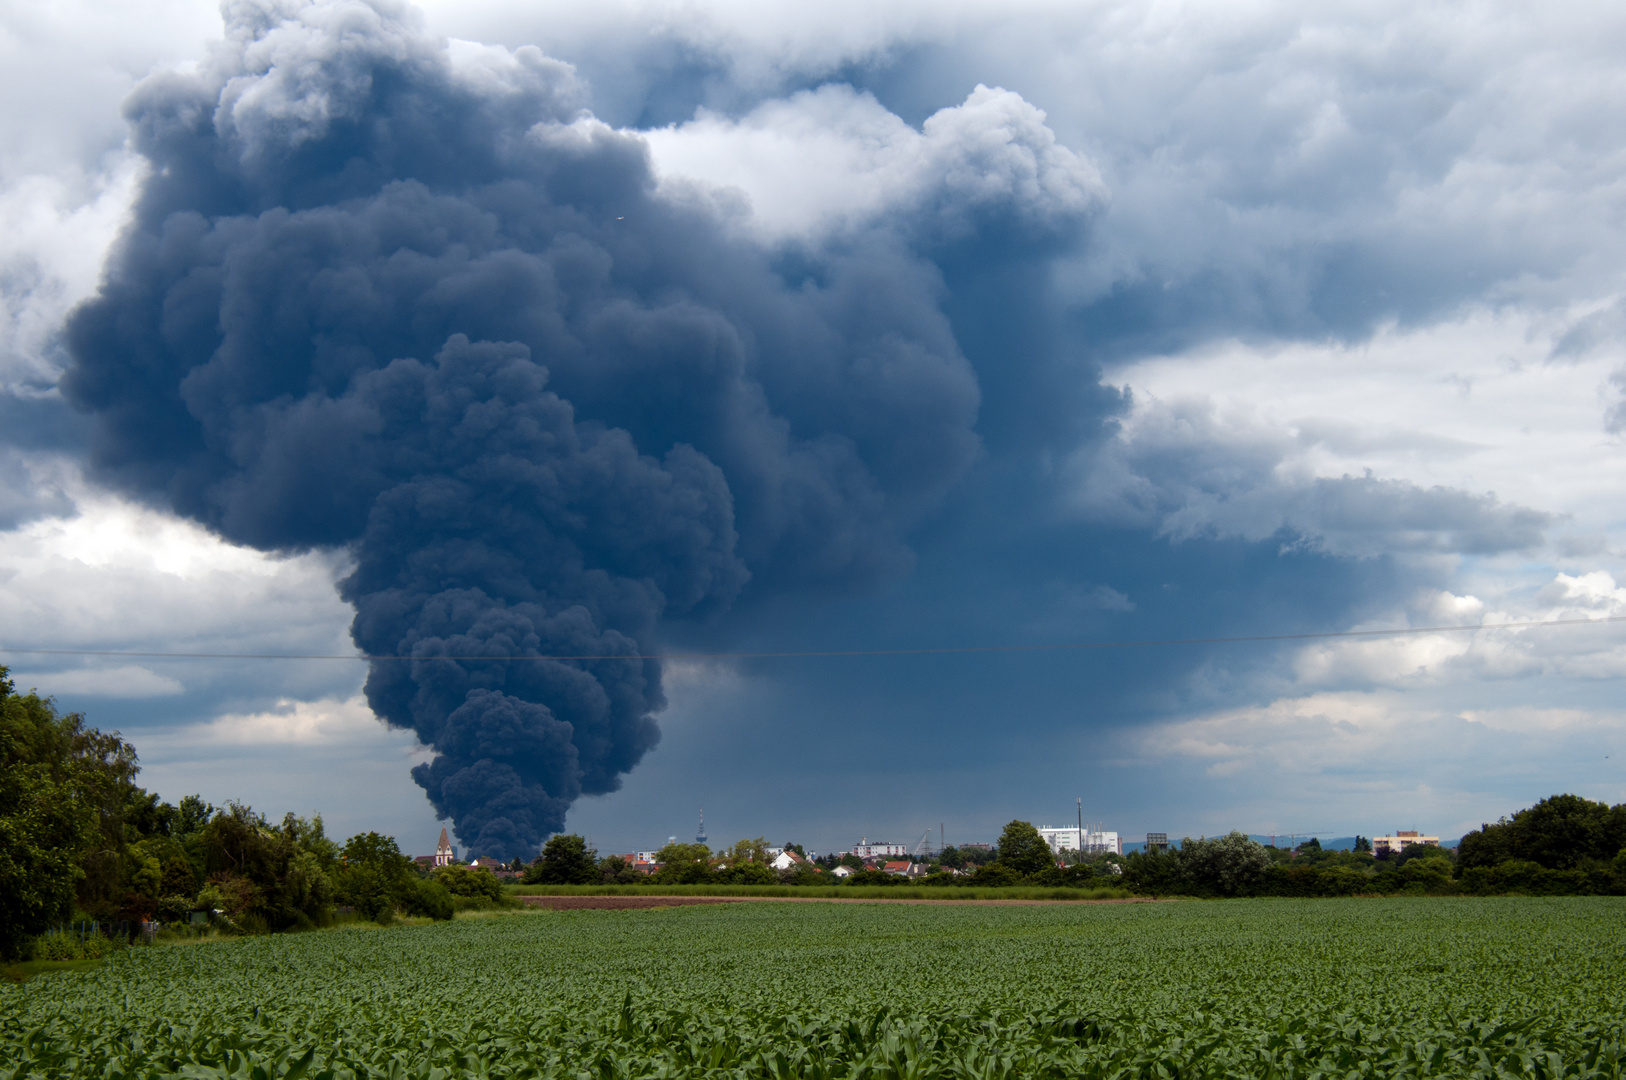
column 443, row 850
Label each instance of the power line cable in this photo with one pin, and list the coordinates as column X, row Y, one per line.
column 816, row 653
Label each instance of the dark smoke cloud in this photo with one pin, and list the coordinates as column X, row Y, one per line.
column 380, row 295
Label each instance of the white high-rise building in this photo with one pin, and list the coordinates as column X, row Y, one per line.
column 880, row 849
column 1084, row 841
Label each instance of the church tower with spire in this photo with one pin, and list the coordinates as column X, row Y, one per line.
column 443, row 850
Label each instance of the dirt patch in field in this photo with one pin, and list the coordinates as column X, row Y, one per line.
column 622, row 903
column 636, row 903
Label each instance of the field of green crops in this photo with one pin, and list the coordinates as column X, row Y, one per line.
column 1357, row 988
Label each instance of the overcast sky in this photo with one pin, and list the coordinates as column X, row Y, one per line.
column 893, row 326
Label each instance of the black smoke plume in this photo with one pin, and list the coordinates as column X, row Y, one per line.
column 413, row 300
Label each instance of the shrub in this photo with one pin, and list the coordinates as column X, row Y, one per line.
column 429, row 898
column 68, row 946
column 466, row 881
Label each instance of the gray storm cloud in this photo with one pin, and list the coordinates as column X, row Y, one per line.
column 1179, row 472
column 413, row 300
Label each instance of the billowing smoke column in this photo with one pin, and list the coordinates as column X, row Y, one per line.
column 383, row 293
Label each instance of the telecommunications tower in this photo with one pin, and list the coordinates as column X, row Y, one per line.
column 700, row 834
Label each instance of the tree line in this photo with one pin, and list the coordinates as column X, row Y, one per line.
column 80, row 839
column 1563, row 845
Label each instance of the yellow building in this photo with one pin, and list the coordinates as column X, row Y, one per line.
column 1400, row 841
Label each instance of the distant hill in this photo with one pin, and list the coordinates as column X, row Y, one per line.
column 1336, row 843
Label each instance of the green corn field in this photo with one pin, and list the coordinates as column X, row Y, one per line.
column 1322, row 988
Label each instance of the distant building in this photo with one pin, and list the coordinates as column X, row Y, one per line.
column 1157, row 841
column 488, row 864
column 843, row 871
column 444, row 856
column 1061, row 839
column 878, row 850
column 977, row 847
column 1083, row 841
column 786, row 860
column 901, row 869
column 1400, row 841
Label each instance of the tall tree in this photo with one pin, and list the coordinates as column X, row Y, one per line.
column 755, row 850
column 565, row 860
column 1226, row 865
column 67, row 794
column 1023, row 850
column 1559, row 833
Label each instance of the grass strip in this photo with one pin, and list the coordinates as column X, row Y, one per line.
column 830, row 892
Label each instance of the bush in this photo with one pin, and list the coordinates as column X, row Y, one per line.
column 994, row 875
column 747, row 873
column 68, row 946
column 429, row 898
column 466, row 881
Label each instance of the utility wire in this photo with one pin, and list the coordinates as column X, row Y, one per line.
column 814, row 653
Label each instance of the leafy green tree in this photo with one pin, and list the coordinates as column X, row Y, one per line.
column 565, row 860
column 615, row 870
column 1023, row 850
column 377, row 880
column 274, row 877
column 1363, row 844
column 191, row 816
column 1426, row 874
column 951, row 857
column 755, row 850
column 1560, row 832
column 1490, row 845
column 1227, row 865
column 374, row 849
column 1156, row 872
column 51, row 797
column 1413, row 852
column 683, row 864
column 59, row 768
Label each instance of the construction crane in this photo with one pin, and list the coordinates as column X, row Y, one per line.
column 920, row 848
